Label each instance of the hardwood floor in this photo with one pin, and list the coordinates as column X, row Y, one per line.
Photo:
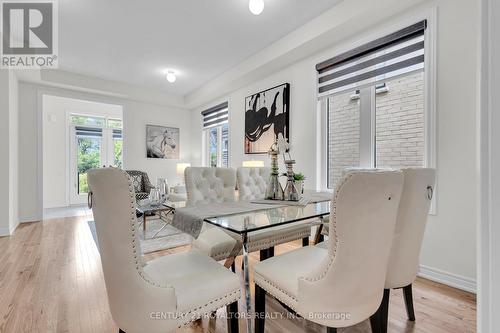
column 51, row 281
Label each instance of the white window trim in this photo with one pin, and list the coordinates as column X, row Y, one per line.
column 430, row 79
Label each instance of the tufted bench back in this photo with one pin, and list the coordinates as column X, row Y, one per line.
column 252, row 183
column 208, row 185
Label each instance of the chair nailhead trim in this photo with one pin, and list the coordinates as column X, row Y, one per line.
column 206, row 308
column 333, row 233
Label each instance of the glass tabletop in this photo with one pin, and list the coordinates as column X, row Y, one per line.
column 268, row 218
column 146, row 207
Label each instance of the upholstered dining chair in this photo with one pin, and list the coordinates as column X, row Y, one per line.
column 252, row 183
column 160, row 295
column 410, row 226
column 342, row 285
column 201, row 186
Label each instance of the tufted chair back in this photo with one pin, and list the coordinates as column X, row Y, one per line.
column 132, row 296
column 208, row 185
column 410, row 227
column 351, row 278
column 252, row 182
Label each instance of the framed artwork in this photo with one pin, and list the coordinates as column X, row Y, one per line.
column 266, row 117
column 162, row 142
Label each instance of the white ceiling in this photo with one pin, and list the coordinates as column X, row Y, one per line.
column 134, row 41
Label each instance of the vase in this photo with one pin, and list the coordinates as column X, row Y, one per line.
column 299, row 184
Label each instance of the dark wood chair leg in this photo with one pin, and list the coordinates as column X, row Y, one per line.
column 260, row 309
column 331, row 330
column 384, row 311
column 408, row 296
column 376, row 322
column 232, row 318
column 305, row 241
column 264, row 254
column 318, row 237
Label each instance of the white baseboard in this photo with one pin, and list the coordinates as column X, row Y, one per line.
column 29, row 219
column 449, row 279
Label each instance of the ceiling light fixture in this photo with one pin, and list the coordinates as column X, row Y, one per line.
column 171, row 77
column 256, row 6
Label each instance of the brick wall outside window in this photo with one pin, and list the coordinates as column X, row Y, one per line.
column 399, row 122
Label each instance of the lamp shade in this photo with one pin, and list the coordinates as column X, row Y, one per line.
column 180, row 169
column 253, row 164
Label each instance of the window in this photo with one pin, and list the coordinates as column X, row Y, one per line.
column 373, row 105
column 94, row 142
column 216, row 131
column 388, row 133
column 218, row 146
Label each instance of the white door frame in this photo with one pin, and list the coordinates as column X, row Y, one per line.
column 488, row 130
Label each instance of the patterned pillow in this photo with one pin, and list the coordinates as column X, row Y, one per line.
column 137, row 181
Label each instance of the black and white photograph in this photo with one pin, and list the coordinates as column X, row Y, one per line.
column 266, row 116
column 162, row 142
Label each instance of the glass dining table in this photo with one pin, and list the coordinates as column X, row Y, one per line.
column 244, row 224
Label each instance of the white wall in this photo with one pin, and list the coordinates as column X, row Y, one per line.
column 449, row 247
column 8, row 151
column 135, row 116
column 55, row 129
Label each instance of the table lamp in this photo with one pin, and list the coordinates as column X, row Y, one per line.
column 253, row 164
column 180, row 170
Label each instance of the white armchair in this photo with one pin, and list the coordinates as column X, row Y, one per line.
column 160, row 295
column 343, row 284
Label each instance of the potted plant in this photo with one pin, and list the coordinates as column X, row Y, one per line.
column 299, row 181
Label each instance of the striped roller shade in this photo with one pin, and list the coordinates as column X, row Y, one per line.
column 83, row 131
column 216, row 115
column 397, row 54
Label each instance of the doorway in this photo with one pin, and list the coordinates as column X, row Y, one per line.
column 78, row 135
column 94, row 142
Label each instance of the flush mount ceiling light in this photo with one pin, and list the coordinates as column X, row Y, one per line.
column 171, row 77
column 256, row 6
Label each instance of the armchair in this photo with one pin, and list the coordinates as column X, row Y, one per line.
column 141, row 184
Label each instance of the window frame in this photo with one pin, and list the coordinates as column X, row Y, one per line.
column 430, row 84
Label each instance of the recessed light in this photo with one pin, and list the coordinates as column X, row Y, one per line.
column 256, row 6
column 171, row 77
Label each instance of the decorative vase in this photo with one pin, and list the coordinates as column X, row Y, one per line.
column 154, row 197
column 299, row 184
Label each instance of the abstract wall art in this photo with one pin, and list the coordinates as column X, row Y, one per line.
column 266, row 117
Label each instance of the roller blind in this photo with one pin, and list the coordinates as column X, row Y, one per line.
column 399, row 53
column 88, row 131
column 117, row 134
column 216, row 115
